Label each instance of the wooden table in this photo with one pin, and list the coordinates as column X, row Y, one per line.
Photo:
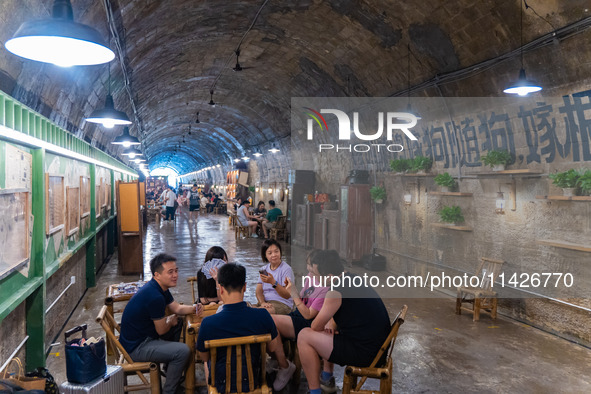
column 192, row 324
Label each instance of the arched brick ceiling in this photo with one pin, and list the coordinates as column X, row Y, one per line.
column 175, row 51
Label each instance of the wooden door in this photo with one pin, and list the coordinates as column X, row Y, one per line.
column 129, row 223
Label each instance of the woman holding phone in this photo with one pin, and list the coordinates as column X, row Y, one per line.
column 271, row 291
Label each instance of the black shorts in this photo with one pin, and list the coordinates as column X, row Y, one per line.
column 346, row 351
column 193, row 208
column 299, row 322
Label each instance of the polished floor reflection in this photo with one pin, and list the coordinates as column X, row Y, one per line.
column 437, row 351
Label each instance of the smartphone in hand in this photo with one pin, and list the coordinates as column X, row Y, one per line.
column 263, row 272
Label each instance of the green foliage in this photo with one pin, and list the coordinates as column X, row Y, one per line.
column 251, row 188
column 496, row 157
column 377, row 193
column 451, row 214
column 400, row 165
column 421, row 163
column 584, row 182
column 445, row 180
column 193, row 180
column 565, row 179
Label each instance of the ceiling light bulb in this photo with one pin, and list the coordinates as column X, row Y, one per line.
column 132, row 155
column 108, row 123
column 270, row 190
column 257, row 154
column 126, row 144
column 236, row 160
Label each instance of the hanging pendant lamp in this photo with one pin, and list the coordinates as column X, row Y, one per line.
column 126, row 139
column 132, row 153
column 109, row 116
column 274, row 148
column 59, row 40
column 522, row 86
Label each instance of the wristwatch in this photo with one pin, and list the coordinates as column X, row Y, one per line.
column 275, row 285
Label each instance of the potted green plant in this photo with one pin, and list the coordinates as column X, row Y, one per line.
column 497, row 159
column 378, row 194
column 584, row 182
column 446, row 181
column 251, row 189
column 452, row 215
column 566, row 180
column 400, row 165
column 421, row 164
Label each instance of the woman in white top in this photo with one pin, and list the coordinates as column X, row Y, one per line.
column 244, row 218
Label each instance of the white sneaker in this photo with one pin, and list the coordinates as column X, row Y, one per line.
column 190, row 220
column 254, row 236
column 283, row 376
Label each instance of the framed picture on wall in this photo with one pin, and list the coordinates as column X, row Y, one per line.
column 108, row 196
column 84, row 196
column 14, row 229
column 55, row 202
column 97, row 199
column 72, row 209
column 103, row 193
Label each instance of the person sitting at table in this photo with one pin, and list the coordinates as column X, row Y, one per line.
column 246, row 219
column 236, row 319
column 260, row 209
column 271, row 218
column 271, row 292
column 206, row 284
column 308, row 303
column 147, row 334
column 350, row 327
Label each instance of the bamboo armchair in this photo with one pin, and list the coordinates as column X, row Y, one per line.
column 235, row 345
column 122, row 358
column 483, row 298
column 384, row 373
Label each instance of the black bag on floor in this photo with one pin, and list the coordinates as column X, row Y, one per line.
column 374, row 262
column 84, row 363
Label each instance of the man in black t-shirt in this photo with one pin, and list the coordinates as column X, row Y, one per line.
column 147, row 334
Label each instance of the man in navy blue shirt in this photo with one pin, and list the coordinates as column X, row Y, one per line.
column 235, row 320
column 147, row 334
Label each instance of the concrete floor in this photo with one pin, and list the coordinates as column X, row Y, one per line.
column 437, row 351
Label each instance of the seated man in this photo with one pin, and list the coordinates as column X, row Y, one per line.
column 235, row 320
column 147, row 334
column 272, row 216
column 357, row 319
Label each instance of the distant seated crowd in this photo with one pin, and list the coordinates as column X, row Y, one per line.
column 344, row 325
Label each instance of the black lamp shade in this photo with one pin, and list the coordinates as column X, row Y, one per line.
column 126, row 139
column 109, row 116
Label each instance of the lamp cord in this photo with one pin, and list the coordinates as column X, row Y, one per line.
column 521, row 27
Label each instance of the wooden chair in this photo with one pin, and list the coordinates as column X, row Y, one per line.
column 483, row 298
column 219, row 207
column 122, row 358
column 383, row 373
column 235, row 345
column 193, row 281
column 238, row 229
column 278, row 231
column 193, row 323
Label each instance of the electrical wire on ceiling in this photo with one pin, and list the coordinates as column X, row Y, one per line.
column 467, row 72
column 121, row 59
column 237, row 50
